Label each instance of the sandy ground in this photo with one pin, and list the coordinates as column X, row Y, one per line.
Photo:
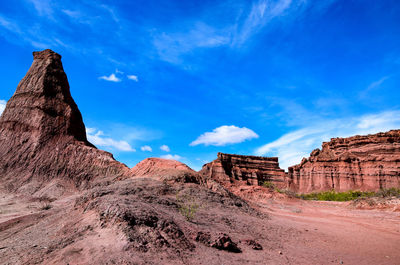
column 338, row 233
column 303, row 232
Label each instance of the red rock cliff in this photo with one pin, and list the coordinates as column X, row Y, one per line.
column 42, row 135
column 244, row 170
column 368, row 162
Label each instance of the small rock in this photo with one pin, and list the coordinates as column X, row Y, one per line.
column 203, row 237
column 254, row 244
column 280, row 253
column 224, row 242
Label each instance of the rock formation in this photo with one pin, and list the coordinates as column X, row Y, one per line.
column 166, row 170
column 42, row 134
column 153, row 165
column 230, row 169
column 370, row 162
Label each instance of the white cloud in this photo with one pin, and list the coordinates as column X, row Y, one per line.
column 225, row 135
column 75, row 14
column 133, row 77
column 293, row 146
column 165, row 148
column 98, row 138
column 111, row 78
column 146, row 148
column 172, row 157
column 2, row 105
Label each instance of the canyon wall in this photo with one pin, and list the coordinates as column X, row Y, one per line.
column 369, row 162
column 230, row 169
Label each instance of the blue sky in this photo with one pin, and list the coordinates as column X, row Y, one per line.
column 187, row 79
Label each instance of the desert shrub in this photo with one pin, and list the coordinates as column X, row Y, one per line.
column 45, row 206
column 392, row 192
column 336, row 196
column 187, row 206
column 44, row 202
column 268, row 184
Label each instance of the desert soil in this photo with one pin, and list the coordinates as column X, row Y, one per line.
column 298, row 232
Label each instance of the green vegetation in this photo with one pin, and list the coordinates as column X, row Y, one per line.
column 349, row 195
column 268, row 184
column 336, row 196
column 187, row 206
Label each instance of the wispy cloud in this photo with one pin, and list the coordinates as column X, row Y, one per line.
column 172, row 157
column 251, row 18
column 111, row 78
column 225, row 135
column 43, row 7
column 293, row 146
column 133, row 77
column 2, row 105
column 374, row 85
column 98, row 138
column 171, row 46
column 24, row 36
column 260, row 14
column 146, row 148
column 44, row 25
column 7, row 24
column 165, row 148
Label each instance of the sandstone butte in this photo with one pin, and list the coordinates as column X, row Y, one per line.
column 368, row 163
column 230, row 169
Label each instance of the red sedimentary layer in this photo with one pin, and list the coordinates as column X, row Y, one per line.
column 230, row 169
column 369, row 162
column 42, row 134
column 155, row 165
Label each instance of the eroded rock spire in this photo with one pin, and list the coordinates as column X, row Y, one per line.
column 42, row 134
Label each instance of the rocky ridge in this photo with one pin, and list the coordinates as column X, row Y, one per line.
column 369, row 162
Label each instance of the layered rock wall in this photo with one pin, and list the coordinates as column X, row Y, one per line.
column 370, row 162
column 245, row 170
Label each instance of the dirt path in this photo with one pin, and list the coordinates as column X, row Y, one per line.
column 336, row 233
